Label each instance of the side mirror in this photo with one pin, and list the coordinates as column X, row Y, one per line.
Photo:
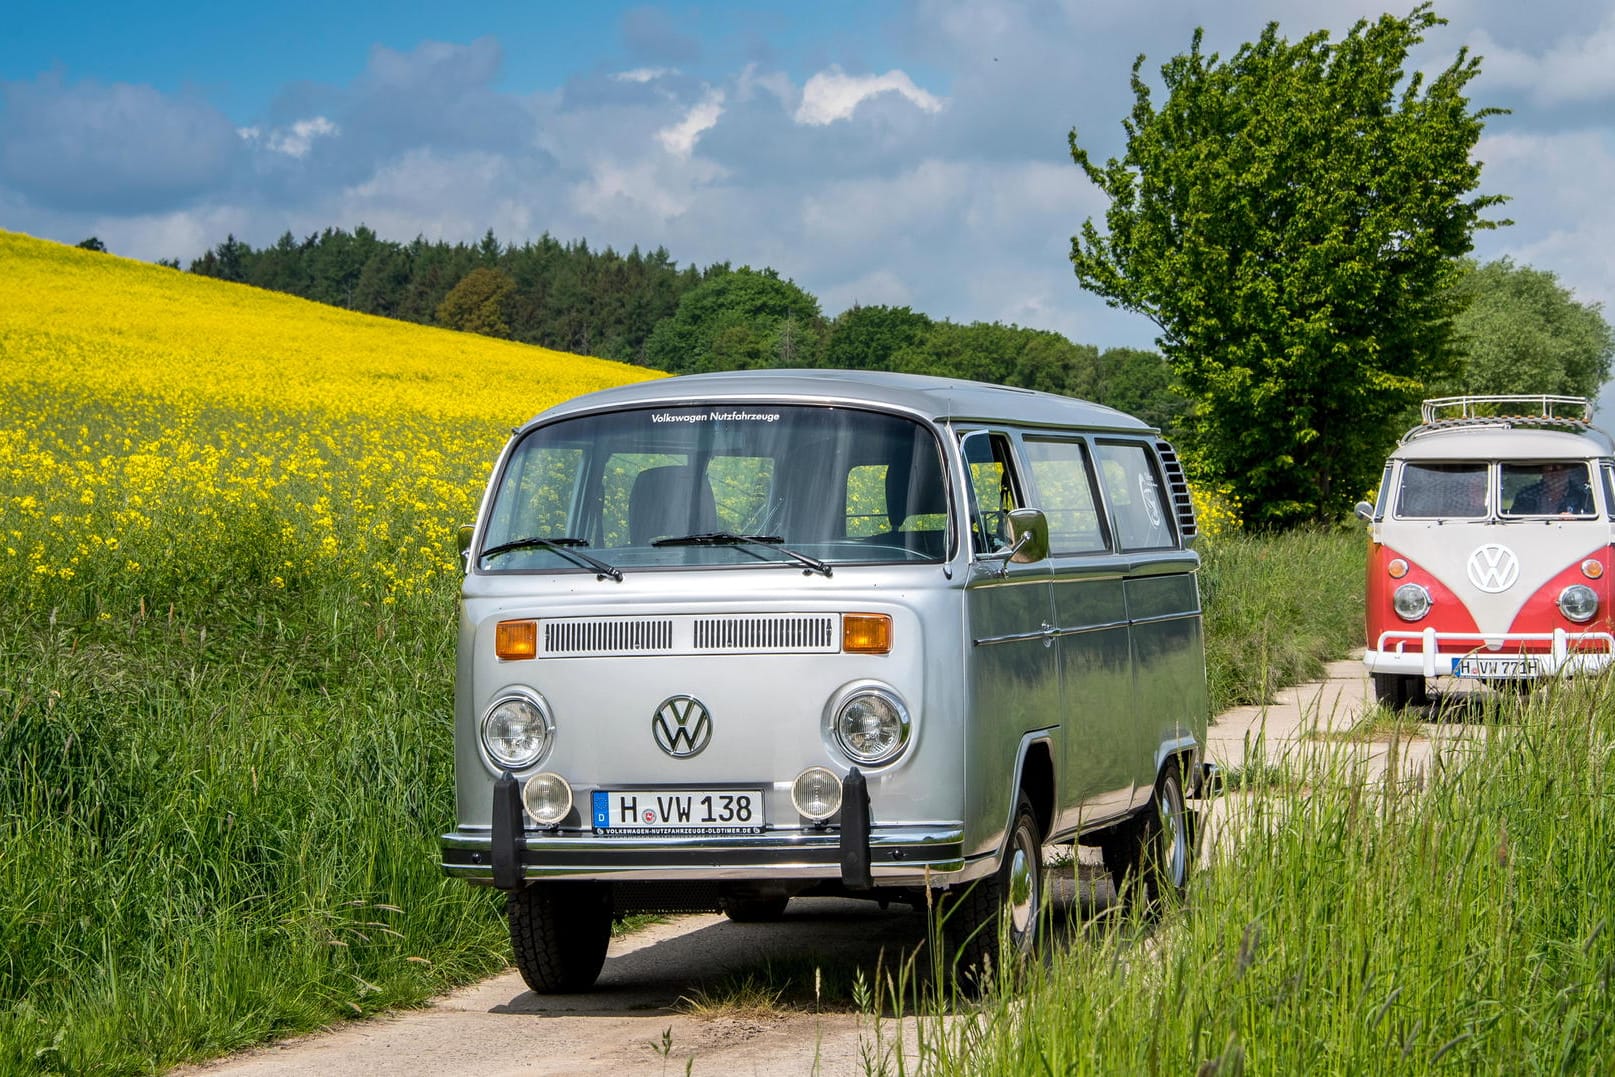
column 1029, row 533
column 463, row 537
column 1365, row 512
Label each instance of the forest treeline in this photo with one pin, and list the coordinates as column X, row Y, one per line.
column 646, row 309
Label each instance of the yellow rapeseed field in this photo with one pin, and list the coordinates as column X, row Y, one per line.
column 163, row 433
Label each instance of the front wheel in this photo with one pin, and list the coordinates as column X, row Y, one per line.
column 995, row 920
column 1399, row 691
column 558, row 933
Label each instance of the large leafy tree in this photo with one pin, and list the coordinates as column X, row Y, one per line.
column 1521, row 331
column 739, row 319
column 1291, row 219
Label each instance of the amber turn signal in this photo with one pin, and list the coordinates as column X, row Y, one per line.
column 516, row 639
column 866, row 633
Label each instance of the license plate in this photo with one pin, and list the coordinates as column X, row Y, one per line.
column 678, row 811
column 1512, row 668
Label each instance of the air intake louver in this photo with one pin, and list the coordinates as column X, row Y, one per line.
column 749, row 633
column 608, row 635
column 788, row 632
column 1182, row 504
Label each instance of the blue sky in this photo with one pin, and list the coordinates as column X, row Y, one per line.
column 909, row 151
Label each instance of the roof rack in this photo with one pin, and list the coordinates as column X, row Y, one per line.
column 1543, row 412
column 1494, row 407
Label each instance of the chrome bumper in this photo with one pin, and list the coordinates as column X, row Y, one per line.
column 898, row 855
column 1430, row 653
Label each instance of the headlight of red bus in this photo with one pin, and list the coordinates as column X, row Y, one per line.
column 1578, row 602
column 1411, row 602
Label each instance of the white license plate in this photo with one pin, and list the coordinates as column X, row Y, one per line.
column 678, row 811
column 1512, row 668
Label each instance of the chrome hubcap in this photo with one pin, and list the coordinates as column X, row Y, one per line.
column 1176, row 837
column 1022, row 897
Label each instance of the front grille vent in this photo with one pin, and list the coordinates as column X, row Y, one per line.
column 766, row 633
column 691, row 634
column 608, row 635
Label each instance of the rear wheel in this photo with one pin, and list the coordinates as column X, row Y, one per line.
column 994, row 921
column 1399, row 691
column 558, row 933
column 1149, row 859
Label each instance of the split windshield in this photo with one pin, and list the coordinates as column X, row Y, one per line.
column 718, row 486
column 1468, row 490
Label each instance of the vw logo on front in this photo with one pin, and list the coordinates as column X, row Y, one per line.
column 1493, row 568
column 682, row 727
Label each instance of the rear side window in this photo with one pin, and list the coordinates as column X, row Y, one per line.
column 1138, row 504
column 1063, row 476
column 1449, row 491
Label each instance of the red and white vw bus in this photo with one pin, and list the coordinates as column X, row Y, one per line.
column 1490, row 552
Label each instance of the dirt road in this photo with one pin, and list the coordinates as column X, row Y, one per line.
column 639, row 1018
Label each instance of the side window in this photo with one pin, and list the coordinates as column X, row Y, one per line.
column 1608, row 471
column 1063, row 476
column 993, row 490
column 1138, row 505
column 1382, row 500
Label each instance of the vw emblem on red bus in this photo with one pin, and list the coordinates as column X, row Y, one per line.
column 1493, row 568
column 682, row 727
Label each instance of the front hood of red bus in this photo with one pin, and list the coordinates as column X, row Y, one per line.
column 1485, row 578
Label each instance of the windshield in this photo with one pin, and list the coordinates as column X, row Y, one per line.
column 719, row 486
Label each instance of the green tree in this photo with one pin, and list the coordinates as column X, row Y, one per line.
column 477, row 303
column 739, row 319
column 1291, row 220
column 92, row 243
column 866, row 338
column 1521, row 331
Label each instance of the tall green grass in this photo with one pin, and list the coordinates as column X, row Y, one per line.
column 1451, row 919
column 217, row 826
column 1277, row 607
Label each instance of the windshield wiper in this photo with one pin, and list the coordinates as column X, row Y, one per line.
column 560, row 544
column 767, row 542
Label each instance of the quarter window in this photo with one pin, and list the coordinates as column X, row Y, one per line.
column 993, row 490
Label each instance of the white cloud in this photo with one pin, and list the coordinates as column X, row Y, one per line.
column 1574, row 68
column 643, row 74
column 832, row 95
column 297, row 141
column 679, row 139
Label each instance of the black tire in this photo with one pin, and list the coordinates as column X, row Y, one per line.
column 559, row 932
column 753, row 910
column 1149, row 858
column 993, row 922
column 1399, row 691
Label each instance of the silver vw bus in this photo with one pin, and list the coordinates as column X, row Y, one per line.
column 730, row 639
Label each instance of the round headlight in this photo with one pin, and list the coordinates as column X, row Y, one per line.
column 816, row 793
column 1411, row 601
column 1578, row 602
column 516, row 731
column 871, row 726
column 547, row 797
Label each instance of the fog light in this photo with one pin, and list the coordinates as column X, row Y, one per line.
column 547, row 797
column 1578, row 602
column 816, row 793
column 1411, row 601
